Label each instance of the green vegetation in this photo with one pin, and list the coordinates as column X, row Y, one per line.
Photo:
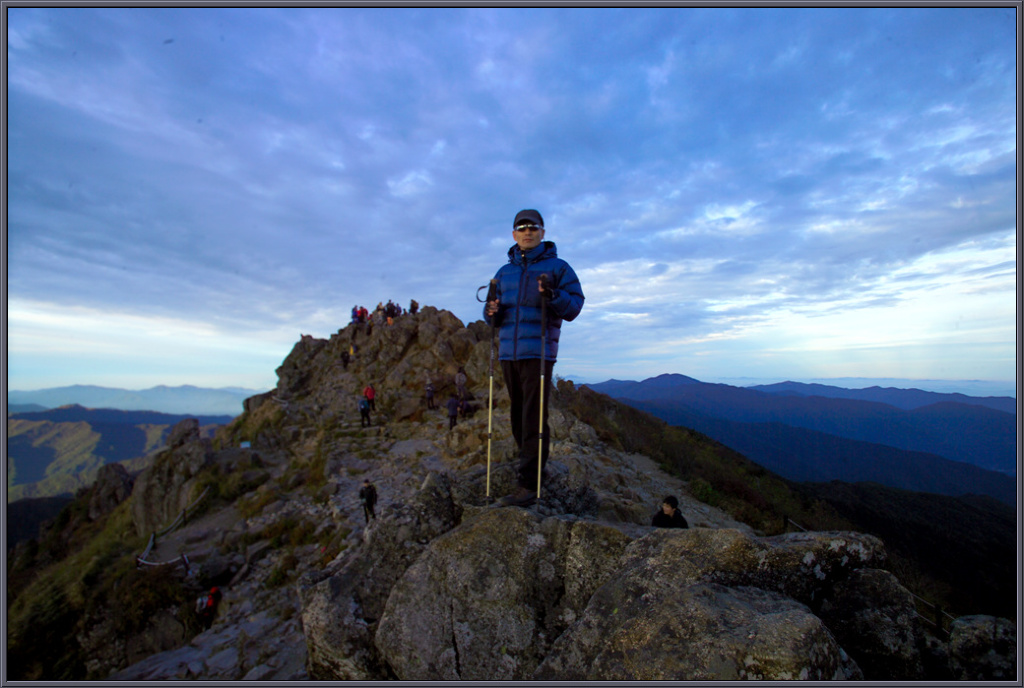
column 82, row 572
column 226, row 486
column 253, row 504
column 716, row 474
column 958, row 553
column 248, row 426
column 283, row 572
column 286, row 532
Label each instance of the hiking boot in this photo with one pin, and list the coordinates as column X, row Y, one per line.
column 521, row 497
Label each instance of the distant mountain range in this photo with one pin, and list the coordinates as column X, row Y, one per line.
column 185, row 399
column 920, row 441
column 900, row 398
column 57, row 451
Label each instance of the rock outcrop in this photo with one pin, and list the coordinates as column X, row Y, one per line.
column 511, row 595
column 441, row 586
column 113, row 485
column 983, row 648
column 167, row 487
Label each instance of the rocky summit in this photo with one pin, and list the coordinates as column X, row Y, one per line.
column 442, row 585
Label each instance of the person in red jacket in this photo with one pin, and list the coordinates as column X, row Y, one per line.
column 370, row 393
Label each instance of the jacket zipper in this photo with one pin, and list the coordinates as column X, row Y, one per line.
column 519, row 303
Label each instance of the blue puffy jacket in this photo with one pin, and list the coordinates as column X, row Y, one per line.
column 519, row 308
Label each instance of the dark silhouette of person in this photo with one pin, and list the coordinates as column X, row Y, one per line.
column 368, row 498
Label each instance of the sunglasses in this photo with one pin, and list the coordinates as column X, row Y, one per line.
column 529, row 228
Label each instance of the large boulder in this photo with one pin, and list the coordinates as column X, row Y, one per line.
column 983, row 648
column 510, row 595
column 640, row 630
column 705, row 604
column 479, row 603
column 875, row 620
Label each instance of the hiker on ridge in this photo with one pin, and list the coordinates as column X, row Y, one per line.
column 206, row 606
column 370, row 393
column 430, row 393
column 368, row 498
column 364, row 413
column 670, row 516
column 453, row 411
column 517, row 313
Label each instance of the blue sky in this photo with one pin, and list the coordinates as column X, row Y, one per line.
column 755, row 193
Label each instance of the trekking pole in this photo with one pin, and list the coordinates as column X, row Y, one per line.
column 543, row 280
column 492, row 294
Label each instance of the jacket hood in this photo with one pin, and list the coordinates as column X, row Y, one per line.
column 545, row 249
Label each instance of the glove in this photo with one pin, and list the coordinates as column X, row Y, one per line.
column 548, row 293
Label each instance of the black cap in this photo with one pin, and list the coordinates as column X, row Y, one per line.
column 531, row 216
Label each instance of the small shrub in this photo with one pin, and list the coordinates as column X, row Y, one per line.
column 703, row 491
column 253, row 505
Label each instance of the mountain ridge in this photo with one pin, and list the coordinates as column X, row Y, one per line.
column 60, row 450
column 806, row 455
column 984, row 436
column 182, row 399
column 903, row 398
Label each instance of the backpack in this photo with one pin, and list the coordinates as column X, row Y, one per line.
column 364, row 405
column 203, row 602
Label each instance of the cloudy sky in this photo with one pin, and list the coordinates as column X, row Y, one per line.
column 753, row 193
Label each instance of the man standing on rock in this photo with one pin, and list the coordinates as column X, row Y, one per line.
column 517, row 312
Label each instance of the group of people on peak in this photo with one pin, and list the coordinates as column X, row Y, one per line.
column 383, row 313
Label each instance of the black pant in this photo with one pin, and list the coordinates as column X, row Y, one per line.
column 368, row 511
column 451, row 421
column 364, row 418
column 522, row 378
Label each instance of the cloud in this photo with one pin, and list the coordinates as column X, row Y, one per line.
column 719, row 177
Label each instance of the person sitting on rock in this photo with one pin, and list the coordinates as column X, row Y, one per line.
column 670, row 516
